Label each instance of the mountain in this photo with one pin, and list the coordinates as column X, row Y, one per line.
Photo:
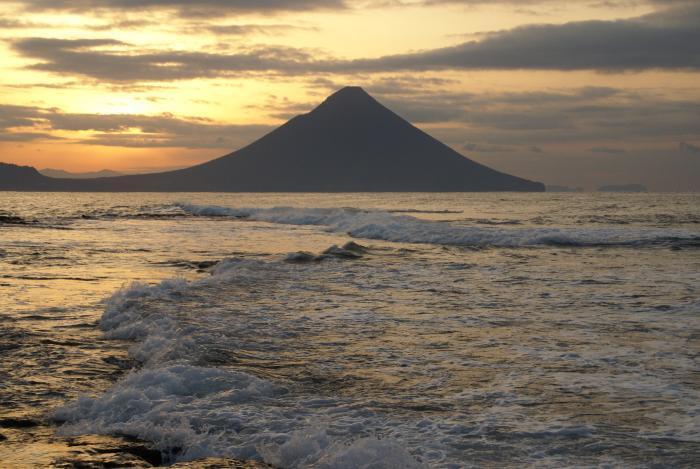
column 59, row 173
column 14, row 177
column 350, row 142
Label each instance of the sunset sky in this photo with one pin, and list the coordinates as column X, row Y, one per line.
column 580, row 93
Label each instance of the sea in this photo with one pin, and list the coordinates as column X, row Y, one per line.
column 364, row 330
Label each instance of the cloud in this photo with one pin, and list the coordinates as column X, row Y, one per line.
column 251, row 29
column 186, row 7
column 531, row 110
column 668, row 39
column 607, row 150
column 591, row 3
column 480, row 148
column 12, row 116
column 689, row 148
column 11, row 23
column 574, row 117
column 123, row 24
column 24, row 123
column 88, row 57
column 649, row 42
column 26, row 136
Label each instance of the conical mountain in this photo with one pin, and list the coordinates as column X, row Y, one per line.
column 350, row 142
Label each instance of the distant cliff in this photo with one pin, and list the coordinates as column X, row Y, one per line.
column 349, row 143
column 14, row 177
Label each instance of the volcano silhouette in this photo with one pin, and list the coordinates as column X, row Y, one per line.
column 349, row 143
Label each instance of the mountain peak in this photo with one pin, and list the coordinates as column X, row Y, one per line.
column 349, row 92
column 348, row 96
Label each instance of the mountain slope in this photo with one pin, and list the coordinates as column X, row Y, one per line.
column 348, row 143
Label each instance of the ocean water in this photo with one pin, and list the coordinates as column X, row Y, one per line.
column 351, row 330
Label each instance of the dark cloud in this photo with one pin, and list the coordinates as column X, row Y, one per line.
column 88, row 57
column 624, row 45
column 556, row 117
column 669, row 39
column 12, row 116
column 186, row 7
column 25, row 136
column 419, row 111
column 25, row 123
column 506, row 110
column 592, row 3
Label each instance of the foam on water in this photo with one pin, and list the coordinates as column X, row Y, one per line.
column 386, row 226
column 283, row 362
column 192, row 412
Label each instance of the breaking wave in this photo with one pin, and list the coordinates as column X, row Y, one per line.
column 309, row 364
column 190, row 405
column 386, row 226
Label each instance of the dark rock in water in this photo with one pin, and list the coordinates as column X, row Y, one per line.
column 150, row 455
column 94, row 451
column 301, row 256
column 17, row 422
column 206, row 264
column 199, row 265
column 349, row 143
column 2, row 437
column 335, row 251
column 12, row 220
column 350, row 250
column 355, row 247
column 121, row 363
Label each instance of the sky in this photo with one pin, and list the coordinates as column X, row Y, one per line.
column 578, row 93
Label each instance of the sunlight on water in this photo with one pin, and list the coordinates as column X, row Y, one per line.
column 462, row 330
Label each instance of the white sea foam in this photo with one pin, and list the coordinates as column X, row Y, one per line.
column 211, row 350
column 189, row 411
column 403, row 228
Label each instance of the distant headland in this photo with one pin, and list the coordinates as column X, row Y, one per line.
column 349, row 143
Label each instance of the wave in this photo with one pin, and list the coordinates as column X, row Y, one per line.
column 386, row 226
column 337, row 364
column 190, row 405
column 6, row 219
